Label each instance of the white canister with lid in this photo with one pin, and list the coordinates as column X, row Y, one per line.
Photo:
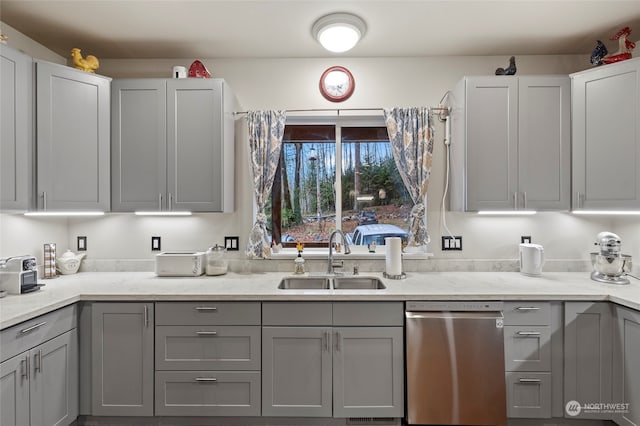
column 216, row 263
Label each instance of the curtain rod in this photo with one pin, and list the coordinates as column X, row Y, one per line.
column 344, row 109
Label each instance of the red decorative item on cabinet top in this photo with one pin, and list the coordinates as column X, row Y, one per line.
column 198, row 70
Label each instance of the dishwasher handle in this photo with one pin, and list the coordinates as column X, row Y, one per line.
column 454, row 315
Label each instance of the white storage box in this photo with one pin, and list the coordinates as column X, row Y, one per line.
column 180, row 264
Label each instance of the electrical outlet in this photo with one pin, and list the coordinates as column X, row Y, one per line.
column 232, row 243
column 451, row 243
column 155, row 244
column 525, row 239
column 82, row 243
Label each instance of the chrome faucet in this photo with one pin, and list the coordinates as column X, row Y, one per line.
column 337, row 264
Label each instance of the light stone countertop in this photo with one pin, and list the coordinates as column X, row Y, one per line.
column 145, row 286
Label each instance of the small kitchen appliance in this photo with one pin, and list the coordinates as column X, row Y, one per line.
column 609, row 264
column 19, row 274
column 180, row 264
column 531, row 259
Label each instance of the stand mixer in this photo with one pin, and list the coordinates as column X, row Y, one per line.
column 610, row 266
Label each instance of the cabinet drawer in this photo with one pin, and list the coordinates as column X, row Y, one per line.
column 33, row 332
column 368, row 313
column 529, row 395
column 296, row 313
column 527, row 348
column 208, row 347
column 208, row 313
column 207, row 393
column 527, row 313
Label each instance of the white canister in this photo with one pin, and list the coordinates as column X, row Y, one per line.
column 531, row 259
column 179, row 72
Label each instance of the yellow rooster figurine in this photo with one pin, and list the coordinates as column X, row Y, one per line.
column 88, row 64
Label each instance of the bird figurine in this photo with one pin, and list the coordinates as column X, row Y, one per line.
column 598, row 53
column 625, row 46
column 510, row 70
column 88, row 64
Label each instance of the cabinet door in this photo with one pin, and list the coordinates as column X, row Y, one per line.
column 606, row 137
column 627, row 366
column 16, row 129
column 54, row 381
column 368, row 372
column 588, row 355
column 296, row 371
column 138, row 145
column 528, row 395
column 14, row 391
column 122, row 359
column 492, row 143
column 194, row 139
column 544, row 142
column 72, row 139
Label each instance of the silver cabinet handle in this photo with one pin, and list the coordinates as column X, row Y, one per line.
column 515, row 201
column 337, row 336
column 44, row 200
column 37, row 361
column 33, row 327
column 206, row 379
column 170, row 201
column 160, row 201
column 24, row 368
column 524, row 199
column 529, row 380
column 580, row 199
column 206, row 308
column 528, row 333
column 206, row 333
column 527, row 308
column 146, row 316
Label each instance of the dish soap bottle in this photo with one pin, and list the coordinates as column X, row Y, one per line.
column 299, row 261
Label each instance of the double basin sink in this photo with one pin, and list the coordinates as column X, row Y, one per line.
column 352, row 282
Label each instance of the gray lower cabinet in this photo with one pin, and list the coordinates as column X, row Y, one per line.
column 173, row 145
column 588, row 344
column 609, row 94
column 73, row 139
column 39, row 386
column 16, row 130
column 122, row 359
column 207, row 359
column 626, row 389
column 340, row 360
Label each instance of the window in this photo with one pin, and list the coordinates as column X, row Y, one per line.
column 352, row 158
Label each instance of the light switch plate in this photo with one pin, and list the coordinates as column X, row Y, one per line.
column 82, row 243
column 232, row 243
column 155, row 244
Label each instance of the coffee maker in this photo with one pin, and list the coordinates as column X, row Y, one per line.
column 19, row 274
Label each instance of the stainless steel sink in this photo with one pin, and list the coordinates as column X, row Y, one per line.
column 305, row 283
column 358, row 283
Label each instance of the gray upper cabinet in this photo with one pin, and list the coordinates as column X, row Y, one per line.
column 510, row 146
column 16, row 130
column 122, row 359
column 173, row 145
column 606, row 137
column 588, row 342
column 626, row 364
column 73, row 139
column 138, row 145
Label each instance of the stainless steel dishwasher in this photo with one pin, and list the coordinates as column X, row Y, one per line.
column 455, row 363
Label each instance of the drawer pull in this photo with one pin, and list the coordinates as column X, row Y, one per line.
column 206, row 379
column 205, row 308
column 527, row 308
column 206, row 333
column 529, row 380
column 33, row 327
column 528, row 333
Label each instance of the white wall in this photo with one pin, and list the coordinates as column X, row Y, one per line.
column 293, row 84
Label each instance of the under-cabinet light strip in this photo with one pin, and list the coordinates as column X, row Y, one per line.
column 507, row 212
column 607, row 212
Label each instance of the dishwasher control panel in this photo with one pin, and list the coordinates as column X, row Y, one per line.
column 454, row 306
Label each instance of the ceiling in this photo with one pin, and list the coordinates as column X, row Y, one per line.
column 282, row 29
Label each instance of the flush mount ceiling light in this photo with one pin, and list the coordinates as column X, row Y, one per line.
column 339, row 32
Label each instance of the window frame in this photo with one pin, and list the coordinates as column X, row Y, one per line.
column 338, row 121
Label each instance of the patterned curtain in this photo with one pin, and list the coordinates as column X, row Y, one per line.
column 266, row 129
column 411, row 137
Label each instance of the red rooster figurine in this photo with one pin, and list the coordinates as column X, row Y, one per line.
column 624, row 47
